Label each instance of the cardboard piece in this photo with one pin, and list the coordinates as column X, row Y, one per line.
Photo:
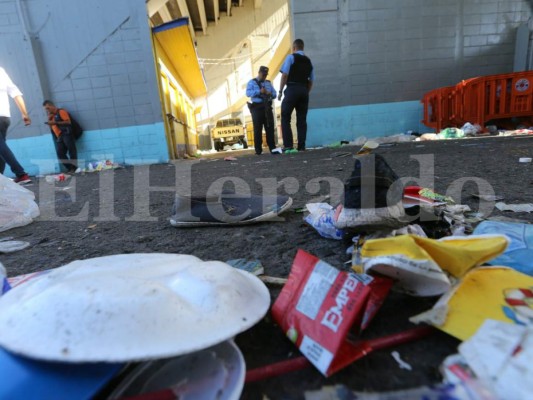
column 319, row 305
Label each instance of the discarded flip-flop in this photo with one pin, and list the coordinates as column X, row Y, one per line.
column 227, row 209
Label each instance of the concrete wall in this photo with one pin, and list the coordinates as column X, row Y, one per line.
column 370, row 52
column 94, row 59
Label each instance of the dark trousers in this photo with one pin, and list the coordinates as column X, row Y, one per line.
column 262, row 116
column 296, row 97
column 6, row 155
column 66, row 143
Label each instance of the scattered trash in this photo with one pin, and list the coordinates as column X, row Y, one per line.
column 214, row 373
column 499, row 354
column 57, row 178
column 401, row 363
column 229, row 158
column 451, row 133
column 525, row 159
column 335, row 145
column 498, row 293
column 312, row 310
column 92, row 226
column 17, row 205
column 357, row 350
column 180, row 305
column 97, row 166
column 321, row 217
column 515, row 207
column 471, row 130
column 487, row 197
column 519, row 253
column 273, row 280
column 12, row 246
column 300, row 210
column 341, row 155
column 418, row 264
column 416, row 195
column 252, row 266
column 430, row 194
column 455, row 370
column 461, row 391
column 227, row 209
column 368, row 147
column 372, row 197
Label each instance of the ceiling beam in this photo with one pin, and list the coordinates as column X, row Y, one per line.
column 184, row 10
column 203, row 18
column 153, row 6
column 228, row 7
column 165, row 14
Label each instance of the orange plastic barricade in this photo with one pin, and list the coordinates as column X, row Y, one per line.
column 437, row 107
column 480, row 100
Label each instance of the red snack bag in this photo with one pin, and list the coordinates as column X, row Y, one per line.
column 319, row 305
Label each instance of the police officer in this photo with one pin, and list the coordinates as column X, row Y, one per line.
column 298, row 76
column 262, row 93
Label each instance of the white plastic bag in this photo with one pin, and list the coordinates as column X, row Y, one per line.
column 17, row 205
column 321, row 218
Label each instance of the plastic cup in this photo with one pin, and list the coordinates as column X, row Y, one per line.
column 368, row 147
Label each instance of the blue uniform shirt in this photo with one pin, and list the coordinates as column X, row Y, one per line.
column 286, row 67
column 254, row 91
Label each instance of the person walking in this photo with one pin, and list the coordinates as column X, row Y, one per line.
column 261, row 93
column 64, row 140
column 298, row 76
column 7, row 87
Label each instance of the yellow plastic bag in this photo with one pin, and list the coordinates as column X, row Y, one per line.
column 418, row 264
column 497, row 293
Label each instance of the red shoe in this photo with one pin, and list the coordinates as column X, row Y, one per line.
column 22, row 180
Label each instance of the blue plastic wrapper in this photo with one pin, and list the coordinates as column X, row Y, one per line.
column 519, row 252
column 321, row 218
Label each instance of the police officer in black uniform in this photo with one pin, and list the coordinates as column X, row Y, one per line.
column 298, row 76
column 261, row 93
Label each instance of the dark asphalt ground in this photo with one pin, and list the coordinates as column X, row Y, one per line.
column 104, row 204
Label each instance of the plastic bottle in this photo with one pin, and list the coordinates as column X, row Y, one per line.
column 55, row 178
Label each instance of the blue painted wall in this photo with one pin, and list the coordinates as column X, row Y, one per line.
column 94, row 59
column 130, row 145
column 329, row 125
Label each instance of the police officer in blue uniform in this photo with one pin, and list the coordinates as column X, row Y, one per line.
column 298, row 76
column 262, row 93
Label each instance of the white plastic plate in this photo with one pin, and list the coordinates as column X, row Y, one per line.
column 130, row 307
